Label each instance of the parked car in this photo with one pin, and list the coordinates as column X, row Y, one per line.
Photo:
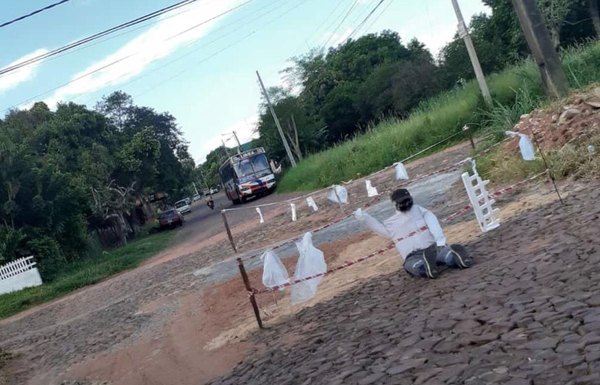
column 170, row 219
column 196, row 197
column 183, row 207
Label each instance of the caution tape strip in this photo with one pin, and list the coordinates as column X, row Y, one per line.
column 288, row 201
column 339, row 267
column 391, row 245
column 381, row 196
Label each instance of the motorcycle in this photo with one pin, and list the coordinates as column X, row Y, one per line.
column 210, row 203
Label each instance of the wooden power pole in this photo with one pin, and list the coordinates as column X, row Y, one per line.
column 537, row 36
column 283, row 139
column 464, row 34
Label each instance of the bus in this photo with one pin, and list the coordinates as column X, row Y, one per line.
column 246, row 175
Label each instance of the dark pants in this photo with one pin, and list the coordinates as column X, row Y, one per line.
column 413, row 264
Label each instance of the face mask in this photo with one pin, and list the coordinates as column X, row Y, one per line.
column 405, row 204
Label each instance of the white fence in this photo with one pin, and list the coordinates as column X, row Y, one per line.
column 19, row 274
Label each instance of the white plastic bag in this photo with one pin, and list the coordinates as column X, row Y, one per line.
column 274, row 272
column 311, row 261
column 401, row 172
column 312, row 204
column 342, row 193
column 525, row 145
column 260, row 216
column 293, row 207
column 371, row 191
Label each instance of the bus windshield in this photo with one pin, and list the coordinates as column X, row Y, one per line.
column 254, row 166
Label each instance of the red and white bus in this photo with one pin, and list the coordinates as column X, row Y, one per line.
column 247, row 175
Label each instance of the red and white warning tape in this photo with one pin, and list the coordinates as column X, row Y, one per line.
column 383, row 195
column 497, row 193
column 339, row 267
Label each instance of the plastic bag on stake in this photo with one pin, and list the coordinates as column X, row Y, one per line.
column 274, row 272
column 260, row 216
column 311, row 261
column 371, row 191
column 338, row 191
column 312, row 204
column 401, row 172
column 525, row 145
column 293, row 207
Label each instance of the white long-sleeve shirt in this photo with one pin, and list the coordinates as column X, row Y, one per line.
column 398, row 226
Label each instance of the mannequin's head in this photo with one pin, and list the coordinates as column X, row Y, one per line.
column 402, row 199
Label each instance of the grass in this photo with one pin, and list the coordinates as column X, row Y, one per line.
column 515, row 91
column 86, row 272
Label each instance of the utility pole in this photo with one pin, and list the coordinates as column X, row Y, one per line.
column 196, row 189
column 464, row 34
column 225, row 148
column 537, row 36
column 238, row 142
column 285, row 143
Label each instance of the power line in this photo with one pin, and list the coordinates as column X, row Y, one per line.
column 117, row 61
column 33, row 13
column 215, row 53
column 340, row 23
column 320, row 26
column 359, row 26
column 126, row 32
column 95, row 36
column 148, row 73
column 383, row 10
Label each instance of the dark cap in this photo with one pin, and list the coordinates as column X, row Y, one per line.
column 400, row 195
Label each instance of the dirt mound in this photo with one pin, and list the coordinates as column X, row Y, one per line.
column 562, row 122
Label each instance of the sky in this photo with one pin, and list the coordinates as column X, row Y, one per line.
column 197, row 62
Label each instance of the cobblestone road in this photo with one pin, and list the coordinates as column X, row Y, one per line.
column 527, row 313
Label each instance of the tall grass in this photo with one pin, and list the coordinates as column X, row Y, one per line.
column 515, row 91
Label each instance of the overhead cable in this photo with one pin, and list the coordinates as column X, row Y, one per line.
column 95, row 36
column 32, row 13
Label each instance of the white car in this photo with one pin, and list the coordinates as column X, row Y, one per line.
column 183, row 207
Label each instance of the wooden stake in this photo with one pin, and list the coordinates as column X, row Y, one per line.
column 550, row 174
column 228, row 230
column 339, row 200
column 250, row 291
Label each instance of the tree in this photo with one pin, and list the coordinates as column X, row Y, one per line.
column 68, row 174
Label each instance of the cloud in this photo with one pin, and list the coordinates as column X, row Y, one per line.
column 13, row 79
column 244, row 128
column 156, row 43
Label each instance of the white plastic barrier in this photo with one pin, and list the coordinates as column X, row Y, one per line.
column 19, row 274
column 480, row 200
